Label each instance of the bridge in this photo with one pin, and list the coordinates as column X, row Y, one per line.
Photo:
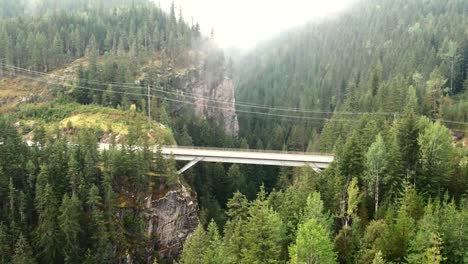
column 243, row 156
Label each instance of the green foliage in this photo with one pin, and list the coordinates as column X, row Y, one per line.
column 5, row 250
column 69, row 222
column 23, row 252
column 399, row 232
column 195, row 247
column 41, row 46
column 312, row 245
column 314, row 210
column 353, row 197
column 214, row 251
column 453, row 231
column 370, row 69
column 262, row 234
column 435, row 143
column 376, row 163
column 418, row 67
column 378, row 259
column 47, row 234
column 346, row 243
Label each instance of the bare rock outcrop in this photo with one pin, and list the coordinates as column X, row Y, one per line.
column 212, row 94
column 170, row 220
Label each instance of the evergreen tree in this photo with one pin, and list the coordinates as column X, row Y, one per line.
column 378, row 259
column 5, row 250
column 99, row 234
column 23, row 252
column 263, row 233
column 214, row 251
column 69, row 222
column 47, row 232
column 312, row 245
column 436, row 152
column 453, row 231
column 195, row 247
column 315, row 210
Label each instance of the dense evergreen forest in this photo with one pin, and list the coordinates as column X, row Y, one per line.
column 369, row 59
column 383, row 86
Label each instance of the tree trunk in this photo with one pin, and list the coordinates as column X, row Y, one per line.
column 376, row 196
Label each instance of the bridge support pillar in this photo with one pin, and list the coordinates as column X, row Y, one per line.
column 314, row 167
column 190, row 164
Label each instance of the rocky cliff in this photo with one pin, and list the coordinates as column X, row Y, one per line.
column 212, row 92
column 170, row 219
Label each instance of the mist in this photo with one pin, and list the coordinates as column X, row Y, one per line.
column 243, row 23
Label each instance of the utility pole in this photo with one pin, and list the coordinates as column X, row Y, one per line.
column 149, row 106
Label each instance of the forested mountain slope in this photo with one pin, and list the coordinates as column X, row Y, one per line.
column 364, row 60
column 75, row 73
column 79, row 72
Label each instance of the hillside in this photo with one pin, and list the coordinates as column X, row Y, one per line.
column 75, row 73
column 364, row 60
column 382, row 86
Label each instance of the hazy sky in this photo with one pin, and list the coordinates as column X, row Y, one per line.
column 242, row 23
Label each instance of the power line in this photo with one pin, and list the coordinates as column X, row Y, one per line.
column 197, row 96
column 203, row 103
column 191, row 103
column 185, row 94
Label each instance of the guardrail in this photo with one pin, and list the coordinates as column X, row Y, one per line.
column 247, row 150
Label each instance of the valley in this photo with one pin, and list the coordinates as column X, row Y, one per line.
column 127, row 135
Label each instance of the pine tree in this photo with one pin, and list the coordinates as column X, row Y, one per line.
column 237, row 212
column 237, row 178
column 436, row 152
column 407, row 137
column 69, row 222
column 351, row 160
column 5, row 250
column 454, row 230
column 263, row 233
column 312, row 245
column 378, row 259
column 47, row 232
column 195, row 247
column 435, row 85
column 75, row 177
column 399, row 231
column 99, row 233
column 315, row 210
column 214, row 252
column 56, row 52
column 23, row 252
column 172, row 175
column 92, row 50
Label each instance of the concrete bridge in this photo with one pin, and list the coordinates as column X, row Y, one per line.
column 243, row 156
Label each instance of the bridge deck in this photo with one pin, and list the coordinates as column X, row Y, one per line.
column 318, row 161
column 241, row 156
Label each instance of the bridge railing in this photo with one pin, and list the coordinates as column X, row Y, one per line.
column 248, row 150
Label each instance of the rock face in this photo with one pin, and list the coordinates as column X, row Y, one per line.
column 211, row 90
column 170, row 219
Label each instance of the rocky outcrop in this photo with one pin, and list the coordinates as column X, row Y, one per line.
column 170, row 219
column 212, row 95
